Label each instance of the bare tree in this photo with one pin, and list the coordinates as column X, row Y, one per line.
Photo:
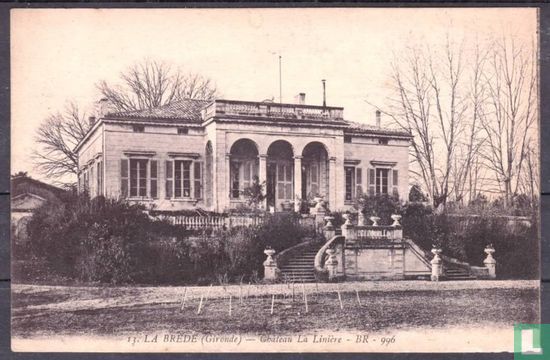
column 57, row 137
column 429, row 105
column 510, row 118
column 150, row 84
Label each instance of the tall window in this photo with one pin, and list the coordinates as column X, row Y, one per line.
column 138, row 178
column 100, row 178
column 350, row 182
column 382, row 180
column 242, row 175
column 182, row 178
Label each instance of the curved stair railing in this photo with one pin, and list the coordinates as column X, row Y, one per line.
column 321, row 273
column 282, row 258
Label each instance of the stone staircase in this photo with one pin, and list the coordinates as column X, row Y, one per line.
column 457, row 273
column 300, row 267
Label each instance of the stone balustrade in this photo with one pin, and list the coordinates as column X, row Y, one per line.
column 265, row 109
column 362, row 233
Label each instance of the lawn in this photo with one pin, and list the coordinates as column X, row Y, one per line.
column 106, row 311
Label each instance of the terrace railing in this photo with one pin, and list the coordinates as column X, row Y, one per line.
column 267, row 109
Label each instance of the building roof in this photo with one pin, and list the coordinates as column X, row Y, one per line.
column 360, row 128
column 190, row 112
column 22, row 184
column 180, row 111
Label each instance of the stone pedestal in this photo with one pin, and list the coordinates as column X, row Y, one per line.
column 320, row 213
column 437, row 265
column 331, row 264
column 347, row 228
column 329, row 230
column 490, row 262
column 270, row 266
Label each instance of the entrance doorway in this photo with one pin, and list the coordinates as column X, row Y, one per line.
column 280, row 176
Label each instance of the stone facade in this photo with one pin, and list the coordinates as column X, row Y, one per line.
column 193, row 153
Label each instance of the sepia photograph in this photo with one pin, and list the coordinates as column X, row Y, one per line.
column 268, row 180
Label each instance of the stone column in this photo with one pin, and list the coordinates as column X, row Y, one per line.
column 226, row 201
column 297, row 181
column 490, row 262
column 270, row 266
column 437, row 266
column 332, row 189
column 331, row 264
column 262, row 176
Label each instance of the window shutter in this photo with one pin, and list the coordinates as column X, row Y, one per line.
column 371, row 182
column 358, row 182
column 124, row 178
column 169, row 175
column 100, row 178
column 197, row 180
column 154, row 179
column 395, row 181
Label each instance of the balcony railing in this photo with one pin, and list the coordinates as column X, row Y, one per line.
column 261, row 109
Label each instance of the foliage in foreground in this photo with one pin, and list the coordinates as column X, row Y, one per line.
column 465, row 234
column 113, row 242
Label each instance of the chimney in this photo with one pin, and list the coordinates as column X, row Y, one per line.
column 378, row 121
column 300, row 99
column 103, row 107
column 91, row 121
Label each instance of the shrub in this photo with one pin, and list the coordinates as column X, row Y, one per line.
column 113, row 242
column 382, row 206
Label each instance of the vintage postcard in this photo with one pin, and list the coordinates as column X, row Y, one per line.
column 275, row 180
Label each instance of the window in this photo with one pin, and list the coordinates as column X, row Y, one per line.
column 383, row 141
column 382, row 181
column 242, row 173
column 182, row 178
column 183, row 131
column 138, row 178
column 138, row 128
column 350, row 182
column 100, row 178
column 347, row 138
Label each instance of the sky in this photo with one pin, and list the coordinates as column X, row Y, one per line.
column 61, row 54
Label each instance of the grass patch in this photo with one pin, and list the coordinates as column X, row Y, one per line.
column 378, row 310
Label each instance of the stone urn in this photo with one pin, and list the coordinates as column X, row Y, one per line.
column 489, row 250
column 436, row 251
column 329, row 220
column 396, row 218
column 347, row 218
column 269, row 253
column 375, row 220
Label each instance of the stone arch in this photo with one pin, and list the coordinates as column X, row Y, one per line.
column 243, row 167
column 315, row 170
column 280, row 175
column 243, row 146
